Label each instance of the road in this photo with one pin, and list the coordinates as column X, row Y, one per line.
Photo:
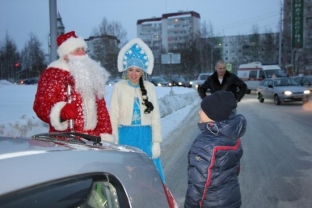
column 276, row 167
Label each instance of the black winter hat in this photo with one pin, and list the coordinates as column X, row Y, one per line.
column 219, row 105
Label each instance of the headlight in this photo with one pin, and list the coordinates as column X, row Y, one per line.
column 159, row 84
column 191, row 83
column 306, row 92
column 287, row 92
column 196, row 86
column 180, row 83
column 170, row 84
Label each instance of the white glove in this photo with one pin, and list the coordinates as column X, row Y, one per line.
column 155, row 150
column 107, row 138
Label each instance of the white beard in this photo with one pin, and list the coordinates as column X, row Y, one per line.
column 90, row 77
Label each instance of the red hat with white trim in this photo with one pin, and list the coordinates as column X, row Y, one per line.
column 69, row 42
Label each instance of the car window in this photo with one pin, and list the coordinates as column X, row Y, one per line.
column 305, row 81
column 265, row 83
column 262, row 74
column 270, row 82
column 83, row 192
column 253, row 75
column 203, row 77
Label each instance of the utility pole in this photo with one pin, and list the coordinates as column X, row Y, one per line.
column 280, row 37
column 53, row 32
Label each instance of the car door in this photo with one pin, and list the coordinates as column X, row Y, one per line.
column 263, row 88
column 270, row 89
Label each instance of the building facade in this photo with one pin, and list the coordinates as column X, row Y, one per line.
column 164, row 33
column 297, row 59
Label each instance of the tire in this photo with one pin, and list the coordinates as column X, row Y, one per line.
column 260, row 98
column 277, row 100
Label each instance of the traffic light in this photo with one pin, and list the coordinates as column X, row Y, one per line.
column 17, row 64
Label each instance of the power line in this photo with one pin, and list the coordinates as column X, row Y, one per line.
column 246, row 22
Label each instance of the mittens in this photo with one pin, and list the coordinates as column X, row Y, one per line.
column 69, row 111
column 155, row 150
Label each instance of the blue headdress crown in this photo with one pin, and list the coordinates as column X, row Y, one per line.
column 136, row 54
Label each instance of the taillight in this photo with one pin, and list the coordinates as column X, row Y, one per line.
column 171, row 200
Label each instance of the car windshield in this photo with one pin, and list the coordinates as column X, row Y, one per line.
column 158, row 79
column 310, row 79
column 179, row 79
column 204, row 77
column 276, row 72
column 285, row 82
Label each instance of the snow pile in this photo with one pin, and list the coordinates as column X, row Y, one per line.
column 17, row 117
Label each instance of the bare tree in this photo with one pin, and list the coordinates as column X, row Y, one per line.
column 32, row 58
column 110, row 37
column 10, row 59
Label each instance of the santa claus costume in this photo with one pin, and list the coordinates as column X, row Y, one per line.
column 72, row 89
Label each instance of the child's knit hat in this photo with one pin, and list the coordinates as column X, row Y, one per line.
column 219, row 105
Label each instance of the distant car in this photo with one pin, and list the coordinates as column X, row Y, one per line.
column 67, row 170
column 283, row 89
column 160, row 82
column 180, row 82
column 29, row 81
column 305, row 81
column 202, row 77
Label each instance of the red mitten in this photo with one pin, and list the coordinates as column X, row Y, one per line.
column 69, row 111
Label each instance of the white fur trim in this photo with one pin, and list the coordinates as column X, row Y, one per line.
column 107, row 138
column 145, row 48
column 90, row 114
column 70, row 45
column 155, row 150
column 59, row 64
column 55, row 117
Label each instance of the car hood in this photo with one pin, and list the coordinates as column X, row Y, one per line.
column 15, row 146
column 291, row 88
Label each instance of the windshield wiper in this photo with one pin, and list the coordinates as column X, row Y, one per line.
column 72, row 137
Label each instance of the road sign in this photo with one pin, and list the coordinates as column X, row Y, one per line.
column 229, row 66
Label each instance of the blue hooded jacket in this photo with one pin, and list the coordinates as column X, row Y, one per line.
column 214, row 163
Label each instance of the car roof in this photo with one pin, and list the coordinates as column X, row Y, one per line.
column 26, row 162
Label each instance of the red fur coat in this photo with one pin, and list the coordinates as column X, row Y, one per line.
column 51, row 97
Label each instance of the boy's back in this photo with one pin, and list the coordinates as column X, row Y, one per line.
column 214, row 162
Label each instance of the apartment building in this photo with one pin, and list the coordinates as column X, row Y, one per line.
column 297, row 59
column 164, row 33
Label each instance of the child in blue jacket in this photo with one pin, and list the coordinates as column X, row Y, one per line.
column 214, row 157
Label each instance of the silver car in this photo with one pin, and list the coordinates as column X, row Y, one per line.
column 282, row 89
column 77, row 170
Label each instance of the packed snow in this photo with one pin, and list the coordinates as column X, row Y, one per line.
column 17, row 117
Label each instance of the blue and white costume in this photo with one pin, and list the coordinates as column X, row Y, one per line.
column 131, row 126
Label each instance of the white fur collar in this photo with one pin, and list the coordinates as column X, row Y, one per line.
column 59, row 64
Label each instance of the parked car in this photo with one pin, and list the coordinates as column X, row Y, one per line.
column 283, row 89
column 202, row 77
column 29, row 81
column 305, row 81
column 77, row 170
column 160, row 82
column 180, row 82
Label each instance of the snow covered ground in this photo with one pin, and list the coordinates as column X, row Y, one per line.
column 17, row 117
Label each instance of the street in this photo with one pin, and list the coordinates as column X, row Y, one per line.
column 277, row 161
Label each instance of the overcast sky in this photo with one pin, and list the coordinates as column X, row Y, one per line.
column 19, row 18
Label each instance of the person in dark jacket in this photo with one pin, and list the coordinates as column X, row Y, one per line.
column 222, row 79
column 214, row 157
